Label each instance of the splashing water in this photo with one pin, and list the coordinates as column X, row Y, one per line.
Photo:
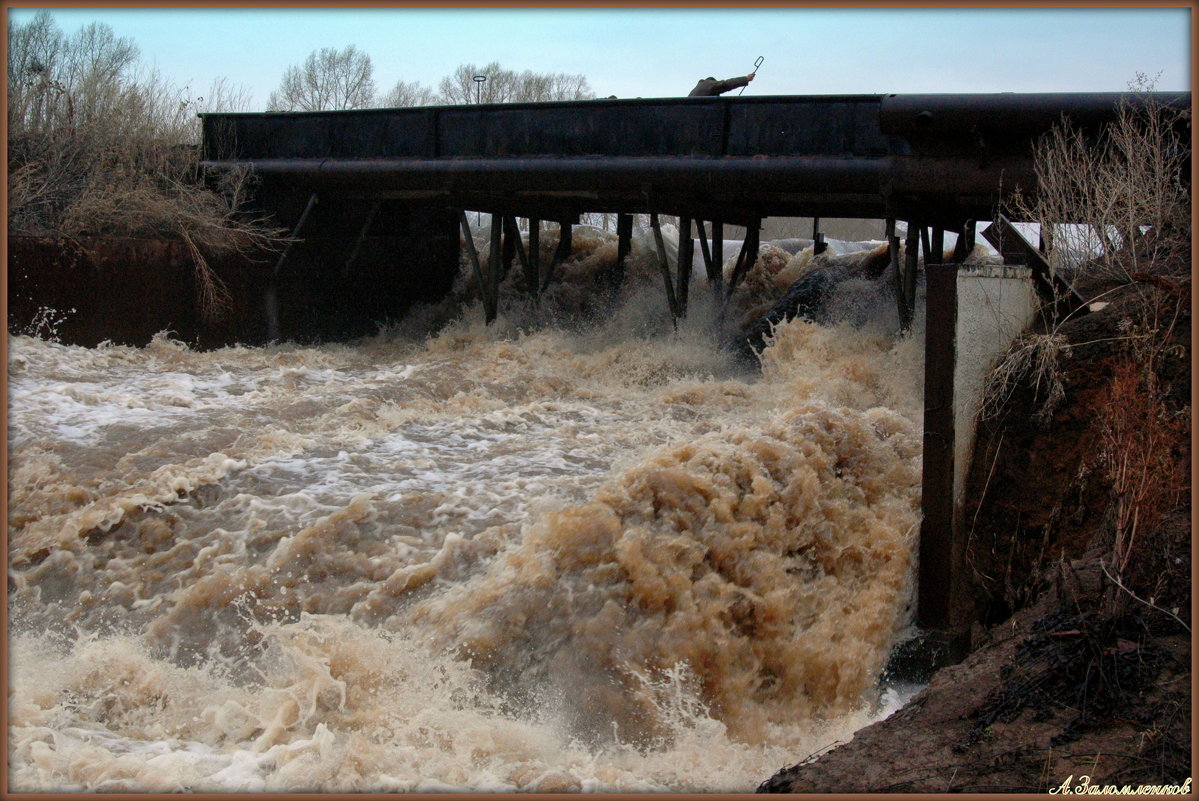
column 577, row 550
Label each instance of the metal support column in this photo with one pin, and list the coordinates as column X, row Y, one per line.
column 533, row 265
column 370, row 218
column 941, row 553
column 686, row 257
column 491, row 296
column 937, row 256
column 561, row 253
column 513, row 245
column 716, row 269
column 965, row 244
column 664, row 267
column 704, row 249
column 896, row 268
column 271, row 298
column 905, row 289
column 624, row 245
column 473, row 254
column 747, row 258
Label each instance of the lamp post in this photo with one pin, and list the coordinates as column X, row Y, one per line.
column 479, row 79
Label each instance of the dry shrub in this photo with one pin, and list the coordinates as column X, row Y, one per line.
column 1114, row 208
column 1115, row 214
column 99, row 147
column 1032, row 360
column 1116, row 203
column 1146, row 456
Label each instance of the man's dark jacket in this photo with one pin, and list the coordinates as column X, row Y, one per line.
column 710, row 86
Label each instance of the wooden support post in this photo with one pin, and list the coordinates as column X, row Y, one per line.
column 533, row 265
column 561, row 253
column 271, row 297
column 686, row 257
column 747, row 258
column 716, row 276
column 513, row 246
column 473, row 254
column 664, row 267
column 704, row 250
column 491, row 298
column 965, row 244
column 896, row 267
column 893, row 246
column 624, row 245
column 906, row 293
column 295, row 233
column 370, row 218
column 938, row 244
column 941, row 553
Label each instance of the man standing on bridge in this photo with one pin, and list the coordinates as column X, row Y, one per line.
column 710, row 87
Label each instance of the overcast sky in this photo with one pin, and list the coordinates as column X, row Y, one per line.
column 661, row 52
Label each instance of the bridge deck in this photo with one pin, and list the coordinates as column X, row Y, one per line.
column 732, row 158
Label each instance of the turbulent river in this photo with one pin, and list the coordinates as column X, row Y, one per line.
column 575, row 550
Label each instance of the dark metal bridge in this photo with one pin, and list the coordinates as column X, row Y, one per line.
column 938, row 162
column 358, row 189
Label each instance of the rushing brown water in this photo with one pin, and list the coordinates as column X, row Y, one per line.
column 537, row 556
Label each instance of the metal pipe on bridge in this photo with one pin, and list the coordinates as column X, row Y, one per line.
column 875, row 156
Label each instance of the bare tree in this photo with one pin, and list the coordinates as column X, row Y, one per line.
column 328, row 79
column 460, row 87
column 547, row 86
column 55, row 79
column 506, row 86
column 99, row 145
column 409, row 94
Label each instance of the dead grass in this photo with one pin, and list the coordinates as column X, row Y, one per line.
column 99, row 147
column 1033, row 359
column 1146, row 456
column 1115, row 204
